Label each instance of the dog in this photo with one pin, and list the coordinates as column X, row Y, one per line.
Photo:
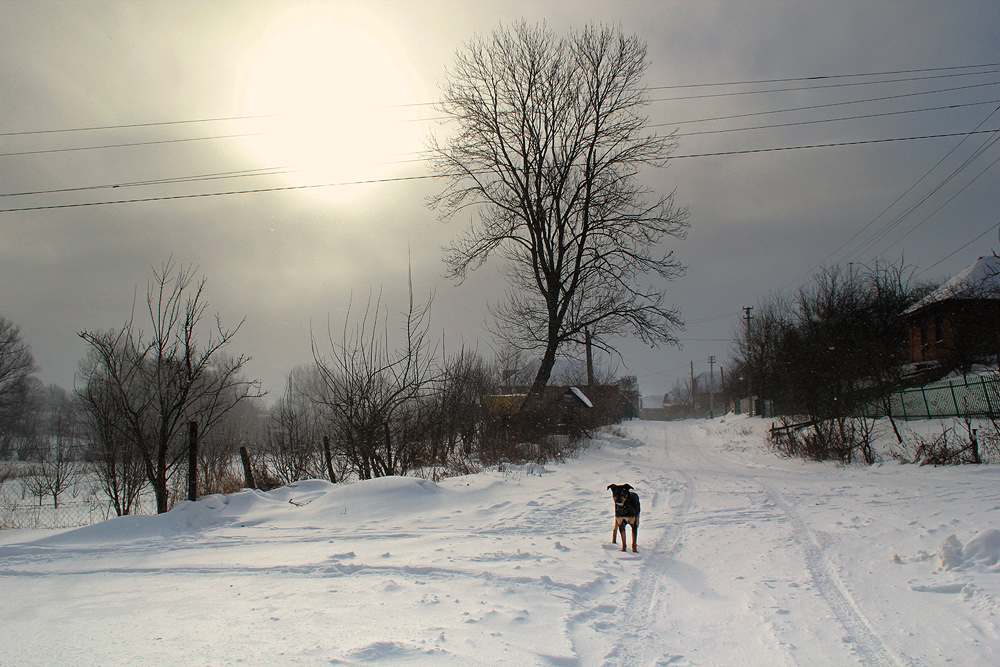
column 626, row 512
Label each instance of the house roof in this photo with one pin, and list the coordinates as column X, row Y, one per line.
column 702, row 382
column 583, row 398
column 980, row 280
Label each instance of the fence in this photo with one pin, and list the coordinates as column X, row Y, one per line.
column 975, row 397
column 67, row 515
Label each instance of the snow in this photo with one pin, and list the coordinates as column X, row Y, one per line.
column 583, row 398
column 980, row 279
column 744, row 559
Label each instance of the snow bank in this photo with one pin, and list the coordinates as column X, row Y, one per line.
column 309, row 501
column 981, row 553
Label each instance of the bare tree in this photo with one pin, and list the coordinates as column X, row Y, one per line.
column 548, row 145
column 119, row 464
column 57, row 471
column 370, row 389
column 575, row 372
column 16, row 368
column 296, row 427
column 164, row 380
column 681, row 394
column 829, row 354
column 513, row 369
column 460, row 404
column 219, row 469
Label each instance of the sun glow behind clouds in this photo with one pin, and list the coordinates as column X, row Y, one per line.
column 332, row 99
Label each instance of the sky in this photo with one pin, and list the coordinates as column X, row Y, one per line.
column 281, row 97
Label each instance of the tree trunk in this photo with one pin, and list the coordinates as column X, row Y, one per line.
column 329, row 459
column 193, row 460
column 541, row 378
column 160, row 483
column 247, row 469
column 160, row 491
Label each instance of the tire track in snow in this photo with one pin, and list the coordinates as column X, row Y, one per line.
column 866, row 644
column 637, row 638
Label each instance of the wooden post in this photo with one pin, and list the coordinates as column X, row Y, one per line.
column 590, row 358
column 329, row 459
column 694, row 399
column 247, row 469
column 193, row 461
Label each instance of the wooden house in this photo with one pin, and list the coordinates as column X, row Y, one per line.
column 960, row 321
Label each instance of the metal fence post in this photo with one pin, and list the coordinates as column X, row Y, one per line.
column 986, row 393
column 927, row 406
column 954, row 399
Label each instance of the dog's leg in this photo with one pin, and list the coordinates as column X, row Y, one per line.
column 614, row 533
column 622, row 526
column 635, row 529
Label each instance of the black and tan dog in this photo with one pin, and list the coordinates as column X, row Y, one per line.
column 626, row 512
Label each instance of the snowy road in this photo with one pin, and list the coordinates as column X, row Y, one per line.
column 745, row 559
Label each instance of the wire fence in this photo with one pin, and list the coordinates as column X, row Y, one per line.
column 974, row 397
column 67, row 515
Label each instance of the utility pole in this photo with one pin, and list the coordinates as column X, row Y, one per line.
column 590, row 358
column 753, row 402
column 711, row 386
column 694, row 402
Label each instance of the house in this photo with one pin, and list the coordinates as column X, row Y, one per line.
column 960, row 320
column 587, row 407
column 707, row 393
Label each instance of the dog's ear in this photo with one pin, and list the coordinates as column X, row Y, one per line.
column 628, row 487
column 610, row 485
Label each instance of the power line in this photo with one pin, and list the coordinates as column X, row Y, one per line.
column 864, row 244
column 130, row 144
column 829, row 76
column 949, row 256
column 264, row 171
column 218, row 194
column 712, row 318
column 133, row 125
column 820, row 87
column 829, row 145
column 821, row 106
column 428, row 176
column 948, row 201
column 835, row 120
column 188, row 121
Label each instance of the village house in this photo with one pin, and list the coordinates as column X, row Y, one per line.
column 960, row 321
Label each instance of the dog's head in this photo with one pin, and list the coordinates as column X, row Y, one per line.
column 620, row 492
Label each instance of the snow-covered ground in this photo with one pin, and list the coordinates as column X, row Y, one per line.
column 744, row 559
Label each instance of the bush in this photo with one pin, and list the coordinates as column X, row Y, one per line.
column 838, row 440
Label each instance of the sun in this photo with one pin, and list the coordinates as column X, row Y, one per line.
column 326, row 100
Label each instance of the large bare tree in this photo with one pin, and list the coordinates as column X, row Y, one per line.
column 548, row 142
column 162, row 379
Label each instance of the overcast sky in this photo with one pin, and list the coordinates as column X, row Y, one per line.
column 311, row 90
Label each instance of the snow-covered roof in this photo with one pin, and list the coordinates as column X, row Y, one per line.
column 979, row 280
column 581, row 396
